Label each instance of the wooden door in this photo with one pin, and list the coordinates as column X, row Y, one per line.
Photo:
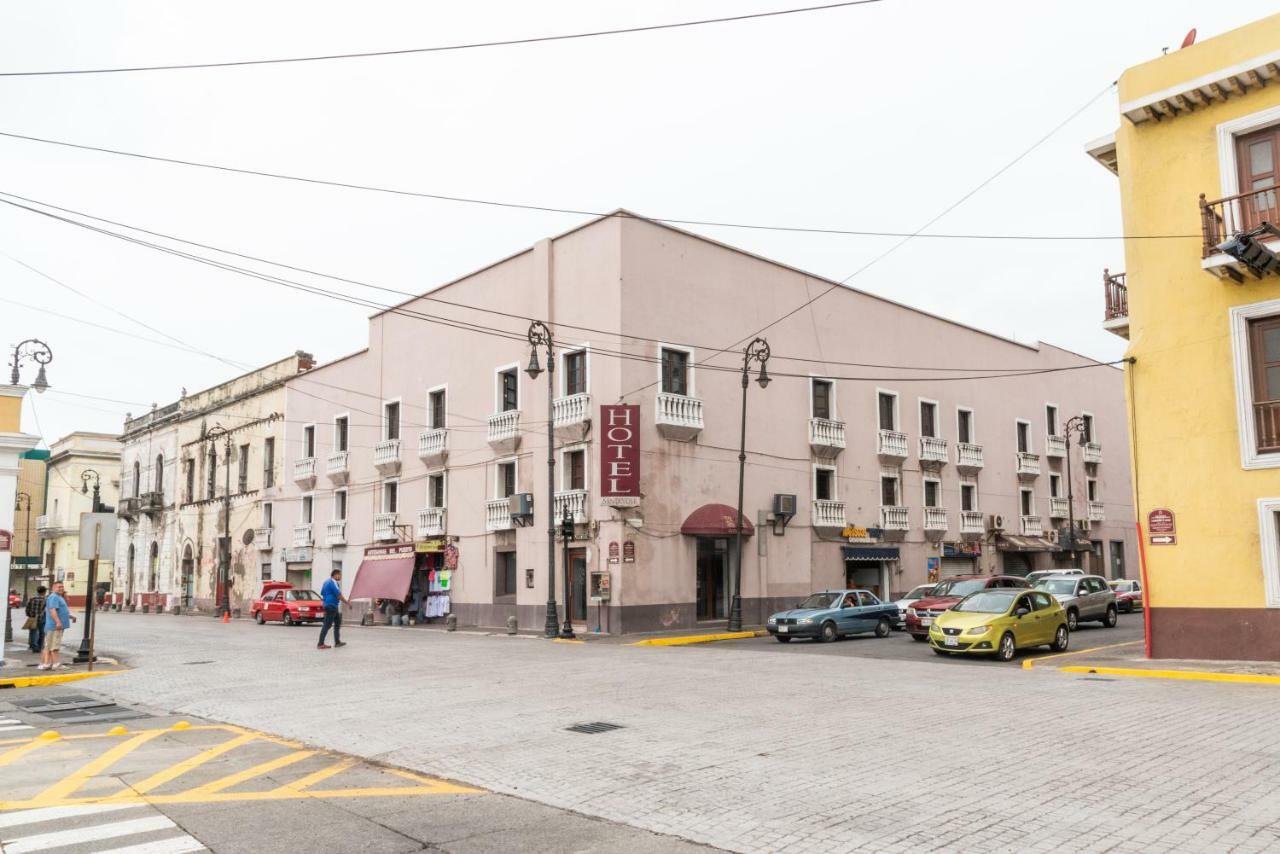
column 1258, row 160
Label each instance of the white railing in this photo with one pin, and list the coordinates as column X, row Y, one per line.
column 1092, row 452
column 430, row 523
column 384, row 527
column 971, row 522
column 574, row 409
column 933, row 449
column 892, row 444
column 678, row 416
column 304, row 469
column 433, row 444
column 497, row 515
column 825, row 434
column 1055, row 446
column 573, row 500
column 335, row 533
column 262, row 539
column 47, row 521
column 1096, row 512
column 504, row 426
column 935, row 519
column 336, row 465
column 1032, row 526
column 968, row 456
column 894, row 518
column 302, row 535
column 1028, row 464
column 1058, row 508
column 828, row 514
column 387, row 454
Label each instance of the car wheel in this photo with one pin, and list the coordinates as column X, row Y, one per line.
column 288, row 619
column 883, row 628
column 782, row 639
column 1061, row 639
column 1007, row 648
column 1073, row 620
column 920, row 638
column 258, row 618
column 828, row 633
column 1110, row 620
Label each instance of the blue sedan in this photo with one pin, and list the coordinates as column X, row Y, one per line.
column 833, row 614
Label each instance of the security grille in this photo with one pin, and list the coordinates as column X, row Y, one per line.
column 593, row 727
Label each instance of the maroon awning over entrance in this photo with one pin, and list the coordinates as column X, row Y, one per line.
column 384, row 576
column 715, row 520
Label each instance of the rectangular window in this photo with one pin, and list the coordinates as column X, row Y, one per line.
column 968, row 497
column 269, row 462
column 390, row 497
column 675, row 371
column 1258, row 162
column 435, row 409
column 509, row 390
column 1088, row 427
column 504, row 564
column 888, row 407
column 964, row 426
column 824, row 483
column 575, row 469
column 928, row 419
column 1055, row 485
column 307, row 505
column 1024, row 437
column 266, row 572
column 340, row 425
column 391, row 420
column 1091, row 486
column 822, row 407
column 435, row 490
column 309, row 441
column 506, row 479
column 211, row 486
column 1051, row 420
column 575, row 372
column 932, row 493
column 242, row 471
column 189, row 470
column 888, row 491
column 1117, row 558
column 266, row 514
column 1027, row 501
column 340, row 504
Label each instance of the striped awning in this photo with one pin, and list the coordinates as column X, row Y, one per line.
column 872, row 554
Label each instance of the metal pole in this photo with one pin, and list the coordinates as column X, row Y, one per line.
column 566, row 530
column 551, row 629
column 89, row 628
column 85, row 653
column 735, row 608
column 225, row 559
column 1071, row 503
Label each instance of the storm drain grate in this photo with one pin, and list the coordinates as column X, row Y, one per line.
column 593, row 727
column 76, row 709
column 1096, row 679
column 210, row 661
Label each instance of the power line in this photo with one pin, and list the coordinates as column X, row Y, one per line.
column 443, row 48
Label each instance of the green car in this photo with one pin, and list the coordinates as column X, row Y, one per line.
column 999, row 622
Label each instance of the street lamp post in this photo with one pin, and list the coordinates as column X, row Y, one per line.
column 85, row 653
column 540, row 336
column 566, row 534
column 756, row 351
column 1074, row 424
column 224, row 551
column 30, row 350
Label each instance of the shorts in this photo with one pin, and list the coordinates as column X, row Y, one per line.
column 53, row 640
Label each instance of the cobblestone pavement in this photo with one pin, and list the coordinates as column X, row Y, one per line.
column 751, row 751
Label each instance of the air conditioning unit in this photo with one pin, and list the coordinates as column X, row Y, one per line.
column 520, row 506
column 784, row 505
column 1052, row 536
column 1083, row 524
column 995, row 522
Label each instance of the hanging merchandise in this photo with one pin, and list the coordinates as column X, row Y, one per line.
column 451, row 556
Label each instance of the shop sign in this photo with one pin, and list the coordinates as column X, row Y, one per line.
column 429, row 546
column 614, row 550
column 629, row 552
column 396, row 550
column 620, row 455
column 961, row 549
column 1161, row 527
column 6, row 540
column 855, row 534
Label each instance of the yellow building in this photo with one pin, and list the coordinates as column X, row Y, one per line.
column 26, row 572
column 76, row 462
column 13, row 445
column 1197, row 153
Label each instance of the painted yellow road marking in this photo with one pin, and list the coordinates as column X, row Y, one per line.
column 315, row 777
column 67, row 785
column 1029, row 663
column 51, row 679
column 1187, row 675
column 16, row 753
column 685, row 640
column 174, row 771
column 249, row 773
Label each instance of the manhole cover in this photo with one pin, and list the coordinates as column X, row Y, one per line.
column 593, row 727
column 76, row 709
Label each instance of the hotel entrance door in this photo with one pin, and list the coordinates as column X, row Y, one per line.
column 712, row 594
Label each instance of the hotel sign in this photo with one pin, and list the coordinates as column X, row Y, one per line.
column 620, row 455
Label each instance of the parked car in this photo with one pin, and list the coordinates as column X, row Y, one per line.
column 15, row 600
column 947, row 593
column 1000, row 622
column 832, row 614
column 1084, row 597
column 280, row 602
column 1034, row 577
column 1128, row 594
column 911, row 598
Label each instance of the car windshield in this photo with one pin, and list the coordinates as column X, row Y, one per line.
column 920, row 592
column 820, row 600
column 301, row 595
column 1058, row 586
column 987, row 602
column 959, row 588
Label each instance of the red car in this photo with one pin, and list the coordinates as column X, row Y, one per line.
column 15, row 601
column 921, row 615
column 1128, row 594
column 280, row 602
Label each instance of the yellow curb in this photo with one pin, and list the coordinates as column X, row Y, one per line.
column 566, row 640
column 1186, row 675
column 52, row 679
column 685, row 640
column 1029, row 663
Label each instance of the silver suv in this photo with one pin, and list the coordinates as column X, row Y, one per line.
column 1083, row 597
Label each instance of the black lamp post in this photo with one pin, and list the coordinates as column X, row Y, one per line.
column 566, row 534
column 756, row 351
column 1075, row 424
column 540, row 336
column 37, row 352
column 224, row 547
column 85, row 653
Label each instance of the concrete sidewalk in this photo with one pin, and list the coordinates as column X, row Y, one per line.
column 1128, row 659
column 20, row 669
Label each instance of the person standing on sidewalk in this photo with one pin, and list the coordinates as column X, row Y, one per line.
column 57, row 618
column 331, row 593
column 35, row 613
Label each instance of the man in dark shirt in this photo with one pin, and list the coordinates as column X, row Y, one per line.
column 35, row 610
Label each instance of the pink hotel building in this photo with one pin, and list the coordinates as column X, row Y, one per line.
column 898, row 474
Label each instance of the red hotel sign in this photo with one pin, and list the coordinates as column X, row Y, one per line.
column 6, row 540
column 620, row 455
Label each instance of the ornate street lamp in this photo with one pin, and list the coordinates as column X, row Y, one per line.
column 1075, row 424
column 756, row 351
column 540, row 336
column 37, row 352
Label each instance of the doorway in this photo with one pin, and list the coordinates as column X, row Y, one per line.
column 299, row 576
column 865, row 576
column 577, row 570
column 712, row 594
column 188, row 577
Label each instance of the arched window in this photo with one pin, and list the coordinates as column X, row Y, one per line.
column 160, row 473
column 137, row 478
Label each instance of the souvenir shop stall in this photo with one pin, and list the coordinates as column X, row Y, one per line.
column 407, row 583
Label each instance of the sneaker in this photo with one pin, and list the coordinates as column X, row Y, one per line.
column 340, row 643
column 323, row 646
column 59, row 666
column 42, row 667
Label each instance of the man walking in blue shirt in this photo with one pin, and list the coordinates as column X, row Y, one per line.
column 57, row 616
column 331, row 593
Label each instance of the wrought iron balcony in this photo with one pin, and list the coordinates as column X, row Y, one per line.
column 384, row 527
column 497, row 515
column 826, row 437
column 335, row 533
column 571, row 417
column 433, row 446
column 1116, row 316
column 677, row 416
column 1028, row 466
column 894, row 518
column 935, row 519
column 262, row 539
column 504, row 431
column 1224, row 218
column 302, row 535
column 430, row 523
column 891, row 446
column 386, row 456
column 828, row 514
column 1032, row 526
column 968, row 458
column 304, row 472
column 933, row 452
column 337, row 467
column 575, row 501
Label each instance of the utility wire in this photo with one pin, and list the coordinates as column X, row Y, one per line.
column 444, row 48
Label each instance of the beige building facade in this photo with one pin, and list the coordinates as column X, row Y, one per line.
column 76, row 462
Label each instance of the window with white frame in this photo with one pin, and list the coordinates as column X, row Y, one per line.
column 932, row 492
column 436, row 409
column 269, row 461
column 505, row 479
column 1024, row 437
column 391, row 497
column 675, row 371
column 1055, row 485
column 341, row 429
column 309, row 441
column 1091, row 488
column 822, row 399
column 929, row 418
column 575, row 372
column 887, row 409
column 308, row 504
column 339, row 504
column 436, row 490
column 889, row 490
column 1269, row 529
column 508, row 390
column 1051, row 419
column 391, row 420
column 1087, row 424
column 964, row 426
column 824, row 483
column 1255, row 345
column 266, row 514
column 573, row 472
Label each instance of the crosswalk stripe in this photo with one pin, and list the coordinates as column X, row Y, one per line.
column 76, row 836
column 17, row 819
column 14, row 727
column 175, row 845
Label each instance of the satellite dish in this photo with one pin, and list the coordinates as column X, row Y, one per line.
column 247, row 537
column 1190, row 38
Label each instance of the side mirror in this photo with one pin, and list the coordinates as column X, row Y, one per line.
column 1022, row 612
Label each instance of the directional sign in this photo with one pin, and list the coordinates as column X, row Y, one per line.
column 1162, row 527
column 1163, row 540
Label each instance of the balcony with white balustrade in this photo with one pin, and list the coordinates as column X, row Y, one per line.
column 384, row 527
column 262, row 539
column 1058, row 508
column 1096, row 512
column 894, row 519
column 571, row 417
column 972, row 526
column 826, row 437
column 497, row 515
column 1092, row 453
column 302, row 535
column 338, row 467
column 1028, row 466
column 933, row 452
column 677, row 416
column 828, row 514
column 504, row 431
column 968, row 458
column 575, row 502
column 1055, row 446
column 335, row 533
column 1031, row 526
column 430, row 523
column 48, row 522
column 386, row 457
column 304, row 472
column 935, row 520
column 891, row 446
column 433, row 446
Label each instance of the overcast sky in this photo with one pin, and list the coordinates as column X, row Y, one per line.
column 873, row 117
